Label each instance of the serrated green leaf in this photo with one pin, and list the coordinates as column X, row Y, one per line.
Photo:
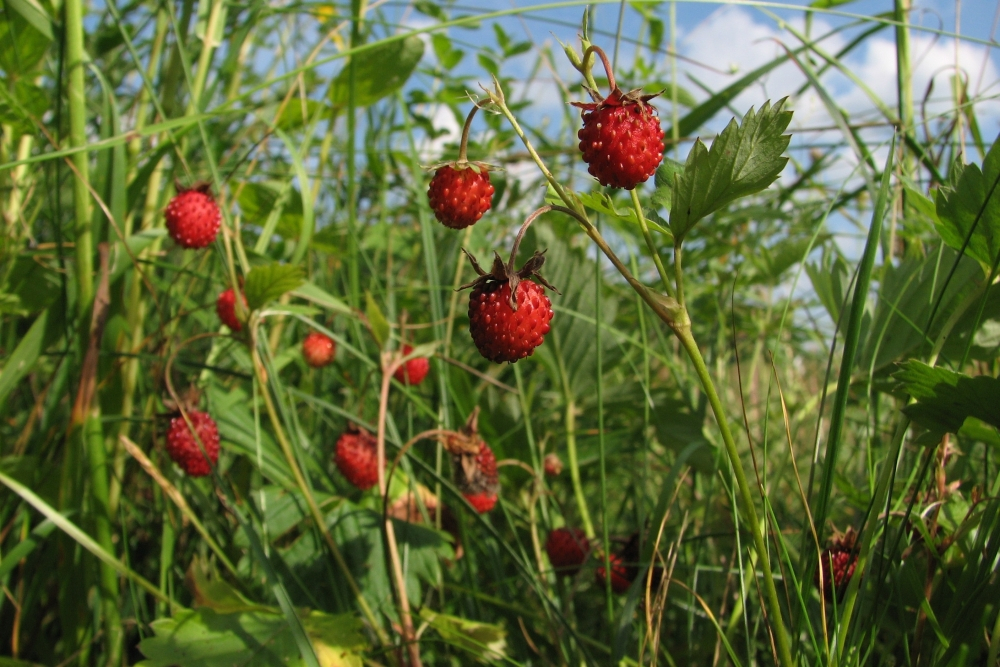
column 971, row 209
column 485, row 641
column 664, row 194
column 376, row 320
column 743, row 160
column 270, row 281
column 378, row 72
column 945, row 399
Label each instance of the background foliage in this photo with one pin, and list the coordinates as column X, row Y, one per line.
column 848, row 315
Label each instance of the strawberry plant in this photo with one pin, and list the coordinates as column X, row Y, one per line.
column 726, row 393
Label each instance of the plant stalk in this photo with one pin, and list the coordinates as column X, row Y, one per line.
column 300, row 481
column 776, row 618
column 409, row 636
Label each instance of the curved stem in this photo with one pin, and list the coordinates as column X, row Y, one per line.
column 746, row 498
column 425, row 435
column 390, row 365
column 650, row 244
column 604, row 59
column 520, row 235
column 465, row 134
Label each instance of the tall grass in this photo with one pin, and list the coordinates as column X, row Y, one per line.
column 750, row 362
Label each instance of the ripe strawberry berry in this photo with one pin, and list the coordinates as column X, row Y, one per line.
column 621, row 138
column 193, row 217
column 474, row 465
column 318, row 349
column 567, row 549
column 553, row 465
column 225, row 307
column 838, row 562
column 183, row 447
column 620, row 580
column 482, row 502
column 413, row 371
column 356, row 457
column 459, row 194
column 460, row 191
column 509, row 315
column 476, row 477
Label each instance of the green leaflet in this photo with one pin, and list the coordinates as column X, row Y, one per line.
column 945, row 399
column 270, row 281
column 743, row 160
column 969, row 210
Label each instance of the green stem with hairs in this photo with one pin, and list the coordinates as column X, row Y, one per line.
column 775, row 618
column 650, row 244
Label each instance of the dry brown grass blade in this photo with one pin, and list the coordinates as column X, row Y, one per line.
column 88, row 373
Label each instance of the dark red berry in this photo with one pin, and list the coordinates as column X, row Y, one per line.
column 356, row 457
column 413, row 371
column 619, row 575
column 183, row 447
column 567, row 549
column 225, row 308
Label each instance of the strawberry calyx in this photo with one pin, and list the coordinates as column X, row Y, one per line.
column 204, row 187
column 616, row 98
column 501, row 272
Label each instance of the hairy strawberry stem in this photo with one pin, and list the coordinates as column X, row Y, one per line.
column 604, row 59
column 520, row 235
column 462, row 147
column 674, row 315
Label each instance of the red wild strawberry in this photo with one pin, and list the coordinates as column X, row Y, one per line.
column 318, row 349
column 509, row 314
column 474, row 465
column 183, row 447
column 619, row 575
column 482, row 502
column 193, row 216
column 567, row 549
column 838, row 562
column 621, row 138
column 225, row 307
column 476, row 477
column 356, row 457
column 413, row 371
column 460, row 193
column 553, row 465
